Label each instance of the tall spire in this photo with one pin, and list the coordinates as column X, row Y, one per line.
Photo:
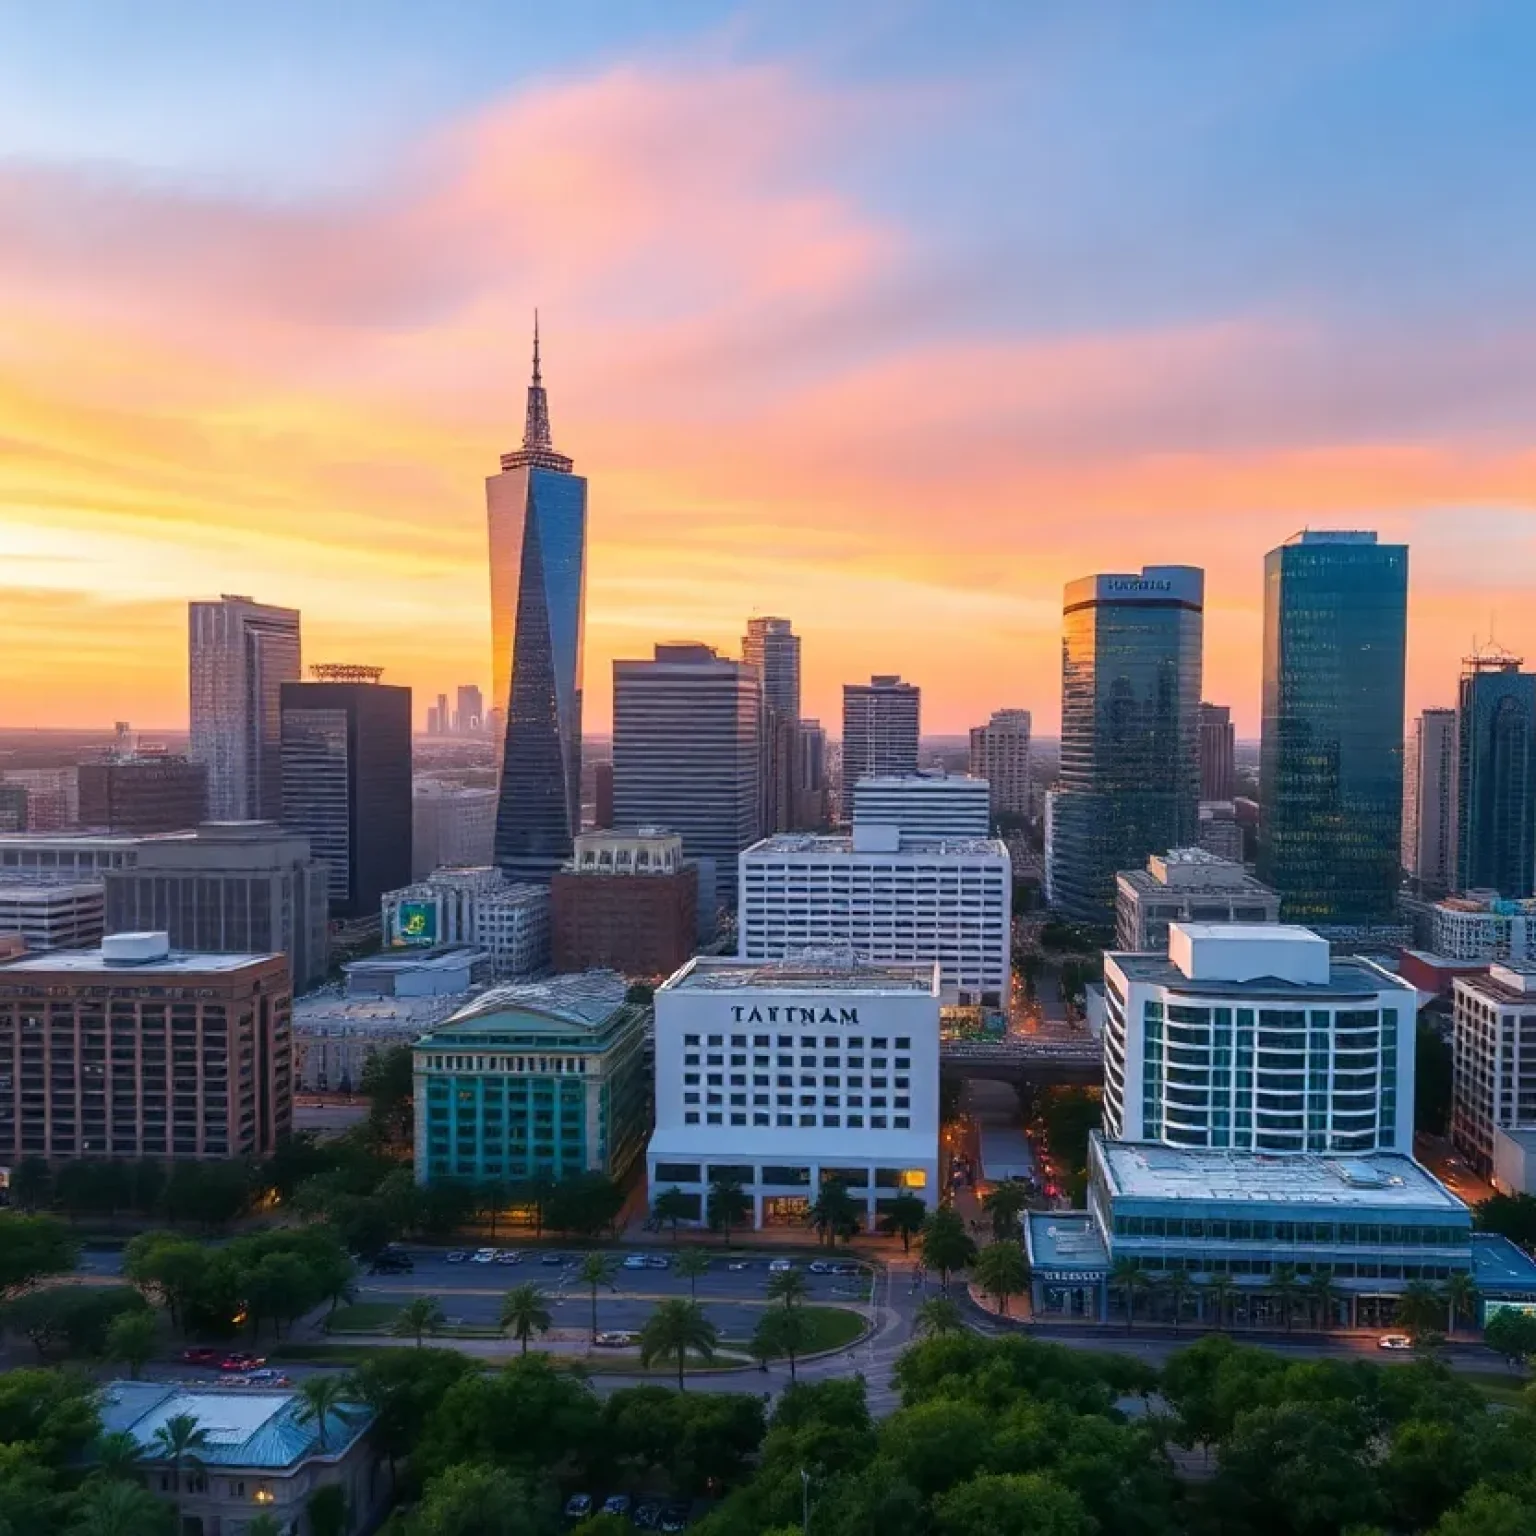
column 536, row 430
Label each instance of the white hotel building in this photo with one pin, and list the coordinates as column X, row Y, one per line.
column 781, row 1077
column 1251, row 1038
column 888, row 898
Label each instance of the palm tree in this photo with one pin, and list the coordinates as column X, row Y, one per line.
column 938, row 1316
column 596, row 1269
column 1177, row 1287
column 114, row 1508
column 1325, row 1295
column 181, row 1440
column 728, row 1206
column 1285, row 1287
column 1419, row 1308
column 1220, row 1289
column 782, row 1331
column 1128, row 1277
column 789, row 1286
column 117, row 1455
column 834, row 1213
column 421, row 1316
column 524, row 1312
column 691, row 1264
column 325, row 1397
column 904, row 1217
column 1460, row 1293
column 1005, row 1205
column 674, row 1328
column 1001, row 1272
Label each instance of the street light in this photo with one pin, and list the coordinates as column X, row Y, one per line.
column 805, row 1502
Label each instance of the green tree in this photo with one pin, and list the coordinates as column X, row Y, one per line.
column 32, row 1247
column 117, row 1455
column 1324, row 1295
column 279, row 1286
column 692, row 1265
column 597, row 1269
column 1286, row 1287
column 945, row 1245
column 1459, row 1292
column 168, row 1268
column 71, row 1319
column 31, row 1184
column 111, row 1507
column 404, row 1388
column 387, row 1085
column 182, row 1442
column 472, row 1500
column 1005, row 1204
column 1027, row 1504
column 326, row 1509
column 729, row 1207
column 789, row 1286
column 1178, row 1287
column 1511, row 1216
column 51, row 1415
column 1487, row 1511
column 834, row 1213
column 1419, row 1309
column 672, row 1331
column 671, row 1208
column 1001, row 1272
column 1219, row 1291
column 265, row 1525
column 1128, row 1277
column 782, row 1333
column 419, row 1316
column 131, row 1338
column 586, row 1206
column 938, row 1316
column 1511, row 1334
column 525, row 1311
column 904, row 1216
column 325, row 1398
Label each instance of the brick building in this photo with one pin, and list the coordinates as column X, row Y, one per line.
column 143, row 794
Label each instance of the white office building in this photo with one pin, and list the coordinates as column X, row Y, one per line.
column 1494, row 1083
column 478, row 907
column 782, row 1077
column 50, row 915
column 887, row 898
column 924, row 804
column 1484, row 926
column 1186, row 885
column 1251, row 1038
column 452, row 825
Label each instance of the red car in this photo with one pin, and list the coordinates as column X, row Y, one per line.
column 201, row 1355
column 241, row 1362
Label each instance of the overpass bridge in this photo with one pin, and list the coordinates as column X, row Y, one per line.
column 1025, row 1058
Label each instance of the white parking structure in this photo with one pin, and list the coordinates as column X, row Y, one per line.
column 781, row 1076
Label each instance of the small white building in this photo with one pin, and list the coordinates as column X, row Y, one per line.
column 784, row 1076
column 1494, row 1084
column 1483, row 926
column 1253, row 1038
column 924, row 804
column 888, row 898
column 1186, row 885
column 479, row 907
column 54, row 916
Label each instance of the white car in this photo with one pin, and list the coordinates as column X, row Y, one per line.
column 637, row 1261
column 509, row 1256
column 1394, row 1341
column 617, row 1339
column 483, row 1256
column 781, row 1266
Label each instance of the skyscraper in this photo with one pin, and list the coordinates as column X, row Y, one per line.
column 1331, row 757
column 1129, row 784
column 241, row 652
column 346, row 755
column 810, row 776
column 1429, row 802
column 469, row 717
column 1496, row 776
column 881, row 719
column 773, row 648
column 1000, row 755
column 1218, row 753
column 538, row 533
column 687, row 755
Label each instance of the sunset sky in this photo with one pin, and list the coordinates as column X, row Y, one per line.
column 890, row 317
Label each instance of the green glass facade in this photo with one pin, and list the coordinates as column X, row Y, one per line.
column 1331, row 758
column 1496, row 777
column 507, row 1092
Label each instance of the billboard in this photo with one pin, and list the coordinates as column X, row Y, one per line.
column 1491, row 1309
column 416, row 922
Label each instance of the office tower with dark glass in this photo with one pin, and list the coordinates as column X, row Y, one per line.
column 241, row 652
column 772, row 646
column 881, row 720
column 1331, row 754
column 1218, row 753
column 347, row 781
column 538, row 536
column 1429, row 802
column 687, row 756
column 1496, row 776
column 1129, row 784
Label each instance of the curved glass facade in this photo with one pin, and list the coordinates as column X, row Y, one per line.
column 1331, row 768
column 1496, row 777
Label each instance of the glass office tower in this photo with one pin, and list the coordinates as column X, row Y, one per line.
column 538, row 530
column 1129, row 784
column 1496, row 776
column 1331, row 757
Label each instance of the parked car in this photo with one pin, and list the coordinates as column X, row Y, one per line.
column 457, row 1256
column 616, row 1504
column 508, row 1256
column 578, row 1506
column 1394, row 1341
column 847, row 1269
column 553, row 1258
column 821, row 1267
column 201, row 1355
column 392, row 1264
column 268, row 1376
column 780, row 1266
column 658, row 1261
column 616, row 1338
column 739, row 1264
column 483, row 1256
column 636, row 1261
column 241, row 1363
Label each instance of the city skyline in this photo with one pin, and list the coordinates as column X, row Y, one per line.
column 781, row 260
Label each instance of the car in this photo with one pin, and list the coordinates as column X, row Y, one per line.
column 658, row 1261
column 239, row 1364
column 780, row 1266
column 553, row 1258
column 637, row 1261
column 268, row 1376
column 578, row 1506
column 616, row 1504
column 201, row 1355
column 737, row 1265
column 392, row 1264
column 457, row 1256
column 508, row 1256
column 483, row 1256
column 847, row 1269
column 648, row 1516
column 674, row 1518
column 1394, row 1341
column 616, row 1338
column 820, row 1267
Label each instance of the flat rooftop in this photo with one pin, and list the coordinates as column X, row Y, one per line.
column 1064, row 1240
column 331, row 1013
column 444, row 957
column 32, row 892
column 1497, row 1264
column 1376, row 1180
column 88, row 962
column 799, row 844
column 1346, row 978
column 1214, row 876
column 588, row 999
column 807, row 973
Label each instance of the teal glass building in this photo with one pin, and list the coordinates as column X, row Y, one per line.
column 1331, row 754
column 1129, row 784
column 1496, row 776
column 547, row 1079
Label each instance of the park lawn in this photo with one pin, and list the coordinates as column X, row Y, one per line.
column 1506, row 1387
column 363, row 1317
column 831, row 1328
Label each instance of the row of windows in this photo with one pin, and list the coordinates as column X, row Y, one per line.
column 805, row 1042
column 1344, row 1233
column 855, row 1122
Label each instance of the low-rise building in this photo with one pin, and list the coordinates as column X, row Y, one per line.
column 1494, row 1046
column 783, row 1076
column 53, row 916
column 478, row 907
column 143, row 793
column 626, row 901
column 925, row 804
column 261, row 1455
column 334, row 1034
column 1220, row 832
column 1186, row 885
column 1484, row 926
column 540, row 1079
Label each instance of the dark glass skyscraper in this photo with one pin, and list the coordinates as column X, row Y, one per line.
column 538, row 528
column 1496, row 776
column 1331, row 757
column 1129, row 784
